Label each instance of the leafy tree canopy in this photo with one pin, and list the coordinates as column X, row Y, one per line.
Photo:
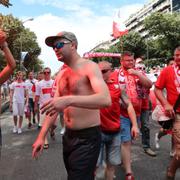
column 20, row 39
column 162, row 38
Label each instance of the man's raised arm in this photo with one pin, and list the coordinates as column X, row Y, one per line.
column 11, row 64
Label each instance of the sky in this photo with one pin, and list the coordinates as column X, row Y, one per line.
column 91, row 21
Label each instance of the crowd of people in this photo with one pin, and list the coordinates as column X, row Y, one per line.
column 102, row 109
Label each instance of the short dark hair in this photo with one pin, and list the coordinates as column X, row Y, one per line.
column 47, row 68
column 126, row 53
column 169, row 60
column 41, row 72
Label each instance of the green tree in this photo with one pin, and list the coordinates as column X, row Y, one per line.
column 164, row 28
column 27, row 43
column 18, row 35
column 132, row 42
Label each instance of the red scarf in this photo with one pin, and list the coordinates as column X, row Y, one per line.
column 177, row 75
column 129, row 83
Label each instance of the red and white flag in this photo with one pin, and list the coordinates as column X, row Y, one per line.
column 119, row 30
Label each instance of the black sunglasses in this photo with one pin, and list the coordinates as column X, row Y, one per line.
column 142, row 68
column 105, row 71
column 47, row 72
column 60, row 45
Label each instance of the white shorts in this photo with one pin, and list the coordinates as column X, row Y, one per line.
column 18, row 109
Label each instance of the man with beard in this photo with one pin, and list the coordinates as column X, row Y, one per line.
column 80, row 93
column 132, row 82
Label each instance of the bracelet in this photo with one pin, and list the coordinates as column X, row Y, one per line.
column 3, row 46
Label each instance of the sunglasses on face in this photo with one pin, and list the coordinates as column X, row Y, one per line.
column 141, row 68
column 105, row 71
column 46, row 72
column 60, row 45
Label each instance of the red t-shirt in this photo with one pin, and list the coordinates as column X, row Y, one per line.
column 145, row 104
column 152, row 97
column 167, row 80
column 110, row 116
column 136, row 101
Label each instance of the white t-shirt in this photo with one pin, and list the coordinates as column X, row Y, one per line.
column 44, row 90
column 19, row 91
column 29, row 84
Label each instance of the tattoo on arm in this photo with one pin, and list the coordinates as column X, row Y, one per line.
column 124, row 97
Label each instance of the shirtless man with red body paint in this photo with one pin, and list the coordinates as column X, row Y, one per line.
column 80, row 94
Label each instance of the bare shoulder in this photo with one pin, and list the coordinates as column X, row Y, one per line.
column 89, row 66
column 87, row 62
column 60, row 74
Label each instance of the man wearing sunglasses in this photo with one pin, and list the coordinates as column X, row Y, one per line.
column 42, row 95
column 110, row 122
column 81, row 92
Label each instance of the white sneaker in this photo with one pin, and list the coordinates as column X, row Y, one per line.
column 157, row 145
column 62, row 131
column 100, row 172
column 19, row 130
column 14, row 129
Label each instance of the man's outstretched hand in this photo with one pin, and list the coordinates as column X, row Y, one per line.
column 37, row 148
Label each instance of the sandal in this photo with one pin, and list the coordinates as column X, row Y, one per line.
column 46, row 146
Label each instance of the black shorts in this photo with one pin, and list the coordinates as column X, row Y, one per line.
column 80, row 152
column 167, row 125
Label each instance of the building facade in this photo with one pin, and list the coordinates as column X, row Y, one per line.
column 134, row 22
column 176, row 5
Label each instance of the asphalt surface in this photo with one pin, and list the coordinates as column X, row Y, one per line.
column 17, row 164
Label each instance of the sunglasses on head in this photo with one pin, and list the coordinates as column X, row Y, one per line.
column 47, row 72
column 105, row 71
column 60, row 45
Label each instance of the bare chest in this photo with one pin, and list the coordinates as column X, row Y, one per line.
column 73, row 83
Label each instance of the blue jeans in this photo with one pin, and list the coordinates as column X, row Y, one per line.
column 110, row 149
column 125, row 132
column 145, row 128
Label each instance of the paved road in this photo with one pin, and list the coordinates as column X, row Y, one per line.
column 16, row 162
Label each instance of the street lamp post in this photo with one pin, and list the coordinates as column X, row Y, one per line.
column 20, row 61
